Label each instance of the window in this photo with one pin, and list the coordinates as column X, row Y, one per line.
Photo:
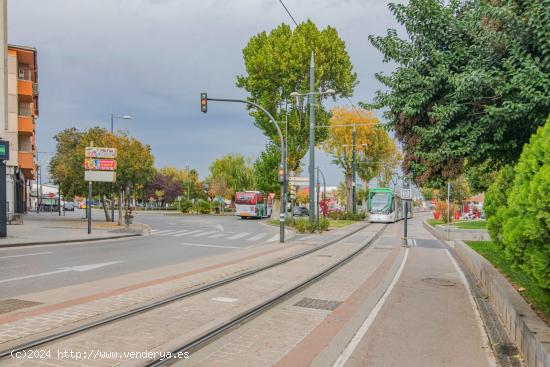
column 24, row 72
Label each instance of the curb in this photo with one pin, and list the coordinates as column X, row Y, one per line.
column 456, row 234
column 22, row 244
column 530, row 334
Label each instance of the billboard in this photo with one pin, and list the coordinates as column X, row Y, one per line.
column 97, row 152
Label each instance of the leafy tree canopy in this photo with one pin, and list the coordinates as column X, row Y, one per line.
column 134, row 161
column 229, row 174
column 277, row 64
column 266, row 169
column 472, row 82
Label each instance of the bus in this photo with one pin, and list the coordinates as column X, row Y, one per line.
column 386, row 206
column 253, row 204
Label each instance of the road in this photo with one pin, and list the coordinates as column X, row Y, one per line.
column 174, row 239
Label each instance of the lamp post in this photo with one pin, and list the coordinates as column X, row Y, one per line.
column 311, row 96
column 113, row 117
column 319, row 172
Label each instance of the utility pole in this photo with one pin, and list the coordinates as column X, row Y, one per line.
column 354, row 169
column 312, row 139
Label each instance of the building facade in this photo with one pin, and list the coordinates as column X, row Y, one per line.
column 20, row 129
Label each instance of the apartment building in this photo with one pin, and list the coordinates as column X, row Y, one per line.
column 20, row 126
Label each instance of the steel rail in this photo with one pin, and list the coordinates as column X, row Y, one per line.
column 247, row 315
column 165, row 301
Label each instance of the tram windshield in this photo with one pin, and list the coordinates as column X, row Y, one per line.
column 379, row 202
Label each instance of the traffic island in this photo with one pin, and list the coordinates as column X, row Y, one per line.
column 51, row 229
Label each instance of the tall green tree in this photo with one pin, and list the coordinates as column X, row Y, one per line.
column 472, row 82
column 266, row 168
column 277, row 64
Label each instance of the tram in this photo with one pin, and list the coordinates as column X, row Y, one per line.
column 386, row 206
column 253, row 204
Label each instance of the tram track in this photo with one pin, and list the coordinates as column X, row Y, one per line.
column 208, row 337
column 183, row 295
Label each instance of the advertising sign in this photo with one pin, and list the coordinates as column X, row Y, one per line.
column 100, row 164
column 97, row 152
column 299, row 181
column 4, row 150
column 100, row 176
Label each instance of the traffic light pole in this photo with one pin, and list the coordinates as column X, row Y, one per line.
column 282, row 166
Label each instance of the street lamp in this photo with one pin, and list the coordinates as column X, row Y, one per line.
column 113, row 117
column 311, row 94
column 121, row 117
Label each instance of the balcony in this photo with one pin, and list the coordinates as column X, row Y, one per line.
column 25, row 90
column 26, row 160
column 25, row 125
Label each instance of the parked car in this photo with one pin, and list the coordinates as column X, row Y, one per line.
column 299, row 211
column 68, row 206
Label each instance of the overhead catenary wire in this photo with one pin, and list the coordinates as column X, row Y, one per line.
column 288, row 12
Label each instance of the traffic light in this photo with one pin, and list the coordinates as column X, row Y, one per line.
column 281, row 174
column 204, row 103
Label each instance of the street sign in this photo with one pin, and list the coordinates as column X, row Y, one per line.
column 406, row 194
column 4, row 150
column 100, row 176
column 96, row 152
column 299, row 181
column 100, row 164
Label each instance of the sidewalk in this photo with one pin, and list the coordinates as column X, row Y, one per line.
column 45, row 228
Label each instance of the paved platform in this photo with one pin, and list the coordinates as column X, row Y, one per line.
column 391, row 306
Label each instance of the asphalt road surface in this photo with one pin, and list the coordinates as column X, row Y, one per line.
column 174, row 239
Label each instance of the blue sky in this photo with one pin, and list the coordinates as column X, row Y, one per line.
column 152, row 58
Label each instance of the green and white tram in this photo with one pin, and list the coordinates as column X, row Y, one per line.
column 386, row 206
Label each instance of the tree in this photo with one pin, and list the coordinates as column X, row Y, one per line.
column 266, row 168
column 134, row 162
column 375, row 149
column 163, row 188
column 526, row 221
column 496, row 202
column 189, row 179
column 471, row 82
column 233, row 172
column 277, row 64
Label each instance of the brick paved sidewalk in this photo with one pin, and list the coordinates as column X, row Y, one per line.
column 18, row 326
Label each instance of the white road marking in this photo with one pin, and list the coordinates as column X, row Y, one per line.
column 36, row 253
column 257, row 237
column 238, row 235
column 157, row 232
column 187, row 233
column 63, row 270
column 350, row 348
column 203, row 233
column 490, row 356
column 171, row 233
column 225, row 299
column 202, row 245
column 274, row 238
column 219, row 235
column 304, row 238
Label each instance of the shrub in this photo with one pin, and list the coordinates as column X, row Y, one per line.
column 526, row 221
column 186, row 206
column 441, row 207
column 202, row 207
column 496, row 203
column 324, row 224
column 302, row 225
column 342, row 215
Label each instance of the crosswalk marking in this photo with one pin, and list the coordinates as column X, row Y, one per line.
column 203, row 233
column 171, row 233
column 257, row 237
column 238, row 235
column 187, row 233
column 220, row 235
column 274, row 238
column 157, row 232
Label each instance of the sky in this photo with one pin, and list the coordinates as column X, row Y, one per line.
column 151, row 59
